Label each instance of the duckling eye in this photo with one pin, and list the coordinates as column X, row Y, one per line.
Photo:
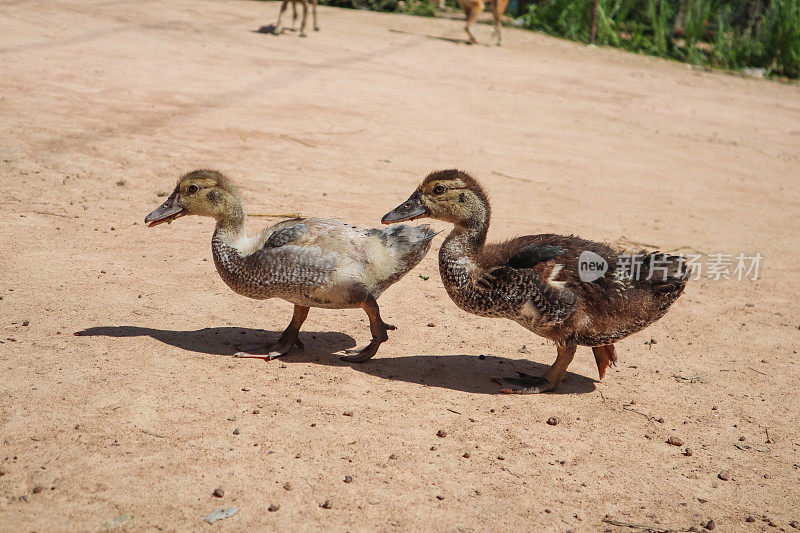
column 438, row 189
column 191, row 189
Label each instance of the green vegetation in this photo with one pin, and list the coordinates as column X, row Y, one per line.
column 722, row 33
column 420, row 8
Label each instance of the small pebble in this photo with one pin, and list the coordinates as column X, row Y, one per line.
column 393, row 456
column 431, row 325
column 236, row 431
column 326, row 504
column 273, row 507
column 795, row 524
column 742, row 439
column 440, row 497
column 348, row 413
column 750, row 519
column 441, row 433
column 466, row 455
column 688, row 452
column 26, row 322
column 219, row 492
column 501, row 457
column 256, row 411
column 767, row 476
column 524, row 349
column 23, row 498
column 434, row 447
column 724, row 475
column 348, row 479
column 287, row 486
column 481, row 356
column 710, row 525
column 231, row 419
column 553, row 420
column 675, row 441
column 37, row 489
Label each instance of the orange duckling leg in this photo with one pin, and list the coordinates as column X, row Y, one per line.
column 605, row 356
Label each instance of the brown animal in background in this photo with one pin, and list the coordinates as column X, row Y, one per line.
column 473, row 8
column 541, row 281
column 279, row 25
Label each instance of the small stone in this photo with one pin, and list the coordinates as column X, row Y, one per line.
column 231, row 419
column 714, row 408
column 441, row 433
column 431, row 325
column 120, row 183
column 675, row 441
column 660, row 420
column 24, row 498
column 326, row 504
column 688, row 452
column 481, row 357
column 724, row 475
column 256, row 411
column 653, row 341
column 524, row 349
column 794, row 523
column 710, row 525
column 26, row 322
column 219, row 492
column 466, row 455
column 273, row 507
column 348, row 479
column 434, row 447
column 440, row 497
column 501, row 457
column 348, row 413
column 767, row 476
column 750, row 519
column 553, row 421
column 37, row 489
column 393, row 456
column 287, row 486
column 236, row 431
column 742, row 438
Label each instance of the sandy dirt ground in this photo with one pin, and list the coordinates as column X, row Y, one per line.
column 131, row 426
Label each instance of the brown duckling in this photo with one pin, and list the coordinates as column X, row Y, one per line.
column 310, row 262
column 536, row 280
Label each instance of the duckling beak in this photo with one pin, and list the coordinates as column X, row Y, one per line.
column 411, row 209
column 166, row 212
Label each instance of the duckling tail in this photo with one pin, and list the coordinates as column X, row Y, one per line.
column 605, row 356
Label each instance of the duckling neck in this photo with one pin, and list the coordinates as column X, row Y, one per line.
column 458, row 256
column 230, row 248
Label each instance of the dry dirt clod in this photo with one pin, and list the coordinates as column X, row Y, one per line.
column 553, row 420
column 724, row 475
column 326, row 504
column 219, row 492
column 348, row 479
column 441, row 433
column 287, row 486
column 675, row 441
column 37, row 489
column 750, row 519
column 710, row 525
column 273, row 507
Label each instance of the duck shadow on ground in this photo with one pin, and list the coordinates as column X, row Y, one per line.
column 465, row 373
column 437, row 37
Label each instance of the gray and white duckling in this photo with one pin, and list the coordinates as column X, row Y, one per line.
column 310, row 262
column 535, row 280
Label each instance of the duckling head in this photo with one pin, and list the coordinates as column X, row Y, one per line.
column 450, row 195
column 201, row 192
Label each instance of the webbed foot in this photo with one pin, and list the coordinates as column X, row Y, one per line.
column 527, row 384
